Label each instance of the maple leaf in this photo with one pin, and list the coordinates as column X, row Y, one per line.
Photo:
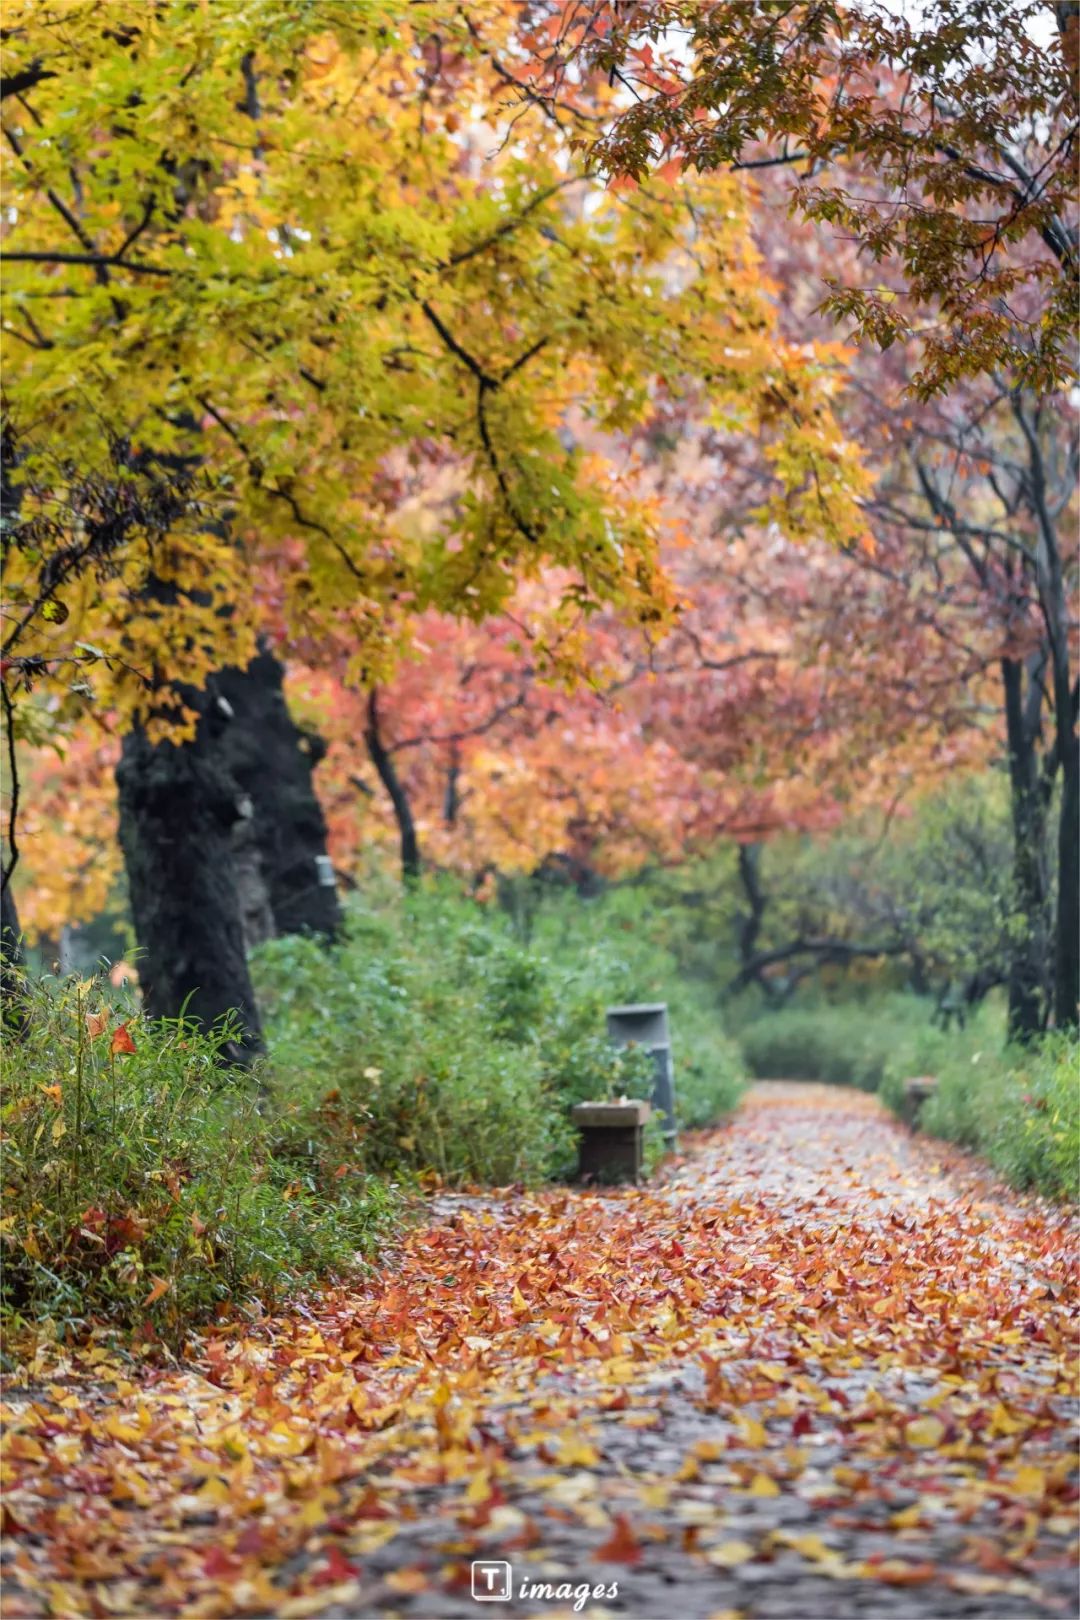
column 121, row 1039
column 161, row 1287
column 97, row 1023
column 622, row 1546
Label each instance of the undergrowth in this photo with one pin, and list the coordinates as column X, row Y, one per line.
column 146, row 1186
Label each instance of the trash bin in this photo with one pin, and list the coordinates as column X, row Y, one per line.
column 646, row 1024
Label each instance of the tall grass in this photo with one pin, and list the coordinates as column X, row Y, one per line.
column 146, row 1188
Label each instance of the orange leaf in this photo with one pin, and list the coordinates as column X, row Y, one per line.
column 96, row 1024
column 622, row 1546
column 161, row 1286
column 121, row 1040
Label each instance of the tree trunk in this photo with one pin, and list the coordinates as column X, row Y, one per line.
column 1055, row 604
column 272, row 760
column 177, row 810
column 383, row 762
column 1027, row 978
column 256, row 916
column 749, row 923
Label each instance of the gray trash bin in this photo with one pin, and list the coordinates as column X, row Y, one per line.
column 646, row 1024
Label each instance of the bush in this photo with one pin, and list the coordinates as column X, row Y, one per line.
column 143, row 1188
column 1020, row 1107
column 148, row 1188
column 860, row 1042
column 614, row 950
column 435, row 1039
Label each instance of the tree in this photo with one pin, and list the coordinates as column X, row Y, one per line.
column 272, row 761
column 942, row 141
column 264, row 248
column 978, row 507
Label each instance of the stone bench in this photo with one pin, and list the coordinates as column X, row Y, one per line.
column 611, row 1140
column 916, row 1091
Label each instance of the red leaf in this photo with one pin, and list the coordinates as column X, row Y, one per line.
column 121, row 1040
column 338, row 1568
column 622, row 1546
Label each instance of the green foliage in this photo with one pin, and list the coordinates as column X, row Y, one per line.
column 624, row 949
column 435, row 1040
column 866, row 1043
column 144, row 1188
column 1018, row 1106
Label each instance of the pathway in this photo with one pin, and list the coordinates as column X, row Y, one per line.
column 816, row 1372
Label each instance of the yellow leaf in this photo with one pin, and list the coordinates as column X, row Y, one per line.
column 811, row 1547
column 907, row 1518
column 754, row 1433
column 119, row 1430
column 729, row 1554
column 762, row 1485
column 518, row 1303
column 479, row 1488
column 407, row 1580
column 281, row 1441
column 923, row 1432
column 1029, row 1481
column 1003, row 1421
column 573, row 1453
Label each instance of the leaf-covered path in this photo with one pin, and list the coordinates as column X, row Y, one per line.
column 812, row 1373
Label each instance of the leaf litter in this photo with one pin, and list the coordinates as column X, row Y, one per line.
column 810, row 1354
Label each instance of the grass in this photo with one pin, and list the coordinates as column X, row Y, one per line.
column 146, row 1188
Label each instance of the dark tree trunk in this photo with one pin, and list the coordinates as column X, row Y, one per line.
column 272, row 760
column 1027, row 978
column 452, row 796
column 256, row 917
column 178, row 807
column 383, row 761
column 750, row 922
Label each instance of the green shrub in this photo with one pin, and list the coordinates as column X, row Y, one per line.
column 433, row 1039
column 614, row 950
column 874, row 1043
column 143, row 1188
column 1019, row 1106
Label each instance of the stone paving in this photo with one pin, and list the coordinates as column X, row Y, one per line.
column 816, row 1155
